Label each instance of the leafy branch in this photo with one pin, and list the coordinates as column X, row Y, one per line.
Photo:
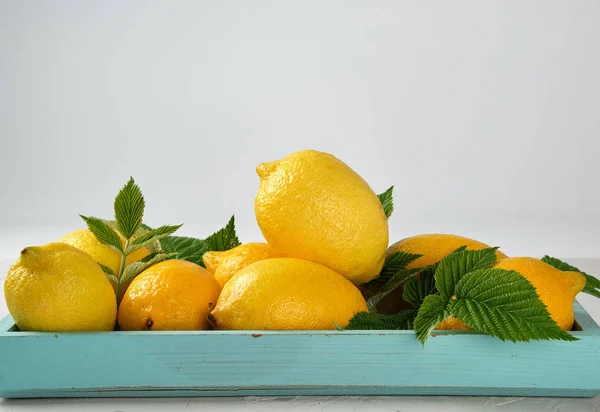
column 463, row 285
column 127, row 234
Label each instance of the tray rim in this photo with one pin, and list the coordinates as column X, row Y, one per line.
column 7, row 325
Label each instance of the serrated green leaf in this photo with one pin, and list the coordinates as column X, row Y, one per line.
column 454, row 266
column 225, row 238
column 151, row 236
column 393, row 263
column 592, row 284
column 135, row 268
column 398, row 279
column 129, row 209
column 187, row 248
column 192, row 249
column 106, row 269
column 432, row 311
column 457, row 250
column 504, row 304
column 153, row 247
column 145, row 227
column 149, row 257
column 387, row 201
column 375, row 321
column 415, row 290
column 104, row 233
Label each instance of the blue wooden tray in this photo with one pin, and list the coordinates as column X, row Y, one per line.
column 225, row 363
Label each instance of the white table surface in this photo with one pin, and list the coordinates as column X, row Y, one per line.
column 318, row 403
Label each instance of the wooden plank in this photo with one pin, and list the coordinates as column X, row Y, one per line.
column 205, row 363
column 315, row 391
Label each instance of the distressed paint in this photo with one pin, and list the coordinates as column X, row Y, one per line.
column 214, row 363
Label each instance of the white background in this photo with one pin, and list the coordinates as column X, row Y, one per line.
column 485, row 115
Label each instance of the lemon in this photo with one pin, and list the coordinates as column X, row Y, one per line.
column 170, row 295
column 312, row 206
column 85, row 240
column 57, row 287
column 287, row 294
column 433, row 247
column 452, row 323
column 223, row 265
column 556, row 289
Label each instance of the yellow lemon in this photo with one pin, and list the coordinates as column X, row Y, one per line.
column 556, row 289
column 312, row 206
column 85, row 240
column 57, row 287
column 223, row 265
column 170, row 295
column 434, row 247
column 287, row 294
column 452, row 323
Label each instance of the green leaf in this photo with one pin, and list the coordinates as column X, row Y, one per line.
column 151, row 236
column 393, row 263
column 454, row 266
column 135, row 268
column 104, row 233
column 129, row 209
column 149, row 257
column 398, row 279
column 559, row 264
column 432, row 311
column 415, row 290
column 192, row 250
column 504, row 304
column 106, row 269
column 110, row 274
column 387, row 201
column 592, row 284
column 457, row 250
column 225, row 238
column 187, row 248
column 153, row 247
column 374, row 321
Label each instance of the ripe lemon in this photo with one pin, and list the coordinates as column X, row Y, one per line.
column 170, row 295
column 85, row 240
column 57, row 287
column 433, row 247
column 223, row 265
column 556, row 289
column 312, row 206
column 287, row 294
column 452, row 323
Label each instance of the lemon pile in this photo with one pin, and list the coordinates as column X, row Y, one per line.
column 329, row 231
column 326, row 234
